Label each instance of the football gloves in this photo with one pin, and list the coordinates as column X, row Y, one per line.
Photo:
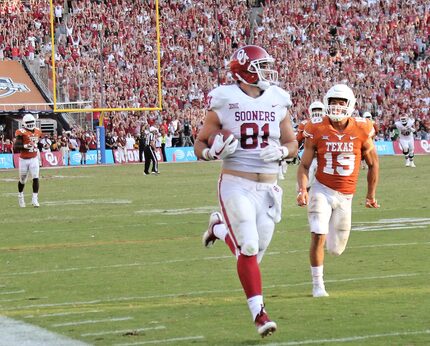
column 272, row 153
column 221, row 148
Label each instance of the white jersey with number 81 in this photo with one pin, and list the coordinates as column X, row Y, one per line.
column 253, row 121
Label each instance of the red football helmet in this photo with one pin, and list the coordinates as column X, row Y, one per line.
column 251, row 65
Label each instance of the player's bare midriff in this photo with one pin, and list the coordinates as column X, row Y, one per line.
column 258, row 177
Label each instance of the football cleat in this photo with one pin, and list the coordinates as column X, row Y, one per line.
column 21, row 201
column 412, row 164
column 408, row 163
column 264, row 325
column 319, row 291
column 35, row 202
column 209, row 237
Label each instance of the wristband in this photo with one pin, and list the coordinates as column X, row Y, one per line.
column 205, row 154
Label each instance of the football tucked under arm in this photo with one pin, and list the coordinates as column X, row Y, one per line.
column 221, row 144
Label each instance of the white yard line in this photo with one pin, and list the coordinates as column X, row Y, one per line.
column 124, row 331
column 12, row 292
column 77, row 323
column 197, row 210
column 64, row 314
column 163, row 341
column 205, row 292
column 14, row 332
column 85, row 202
column 348, row 339
column 196, row 259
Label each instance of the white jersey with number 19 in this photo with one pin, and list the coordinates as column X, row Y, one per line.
column 253, row 121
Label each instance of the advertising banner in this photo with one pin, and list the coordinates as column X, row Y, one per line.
column 16, row 160
column 384, row 148
column 119, row 156
column 180, row 154
column 101, row 144
column 75, row 157
column 421, row 147
column 133, row 156
column 51, row 159
column 6, row 161
column 109, row 157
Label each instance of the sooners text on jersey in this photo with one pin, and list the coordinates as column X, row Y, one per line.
column 253, row 121
column 339, row 153
column 27, row 138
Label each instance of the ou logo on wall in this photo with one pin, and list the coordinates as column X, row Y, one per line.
column 425, row 145
column 51, row 158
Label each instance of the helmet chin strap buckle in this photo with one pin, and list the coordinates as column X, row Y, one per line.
column 263, row 85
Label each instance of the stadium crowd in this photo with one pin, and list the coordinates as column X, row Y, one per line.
column 380, row 48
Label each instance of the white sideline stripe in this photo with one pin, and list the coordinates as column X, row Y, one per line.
column 91, row 321
column 395, row 221
column 9, row 300
column 70, row 176
column 196, row 293
column 13, row 332
column 13, row 292
column 86, row 202
column 388, row 245
column 197, row 210
column 348, row 339
column 393, row 228
column 179, row 260
column 54, row 217
column 63, row 314
column 391, row 224
column 162, row 341
column 124, row 331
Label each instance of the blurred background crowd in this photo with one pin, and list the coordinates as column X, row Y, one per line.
column 106, row 52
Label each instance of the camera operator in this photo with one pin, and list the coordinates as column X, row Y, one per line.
column 187, row 140
column 2, row 139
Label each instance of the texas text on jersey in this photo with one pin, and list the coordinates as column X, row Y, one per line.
column 29, row 141
column 340, row 153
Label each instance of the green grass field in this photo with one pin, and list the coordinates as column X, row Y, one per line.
column 113, row 257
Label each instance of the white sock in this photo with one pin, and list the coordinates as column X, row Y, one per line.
column 317, row 275
column 220, row 231
column 20, row 194
column 255, row 304
column 35, row 195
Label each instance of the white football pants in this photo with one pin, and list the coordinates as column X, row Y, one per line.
column 250, row 211
column 27, row 166
column 329, row 212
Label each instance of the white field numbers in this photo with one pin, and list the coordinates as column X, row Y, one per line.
column 346, row 164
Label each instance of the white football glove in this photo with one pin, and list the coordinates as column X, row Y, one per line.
column 220, row 149
column 273, row 153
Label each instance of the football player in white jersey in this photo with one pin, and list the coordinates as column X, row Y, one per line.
column 255, row 110
column 316, row 110
column 406, row 129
